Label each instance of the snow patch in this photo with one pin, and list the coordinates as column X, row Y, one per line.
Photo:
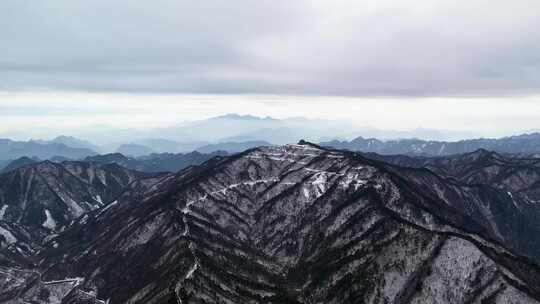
column 306, row 192
column 75, row 281
column 99, row 200
column 192, row 270
column 3, row 211
column 49, row 223
column 513, row 200
column 107, row 207
column 10, row 239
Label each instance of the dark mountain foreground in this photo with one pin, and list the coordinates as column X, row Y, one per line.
column 285, row 224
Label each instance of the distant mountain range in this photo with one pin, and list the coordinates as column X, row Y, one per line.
column 228, row 128
column 520, row 144
column 151, row 146
column 19, row 162
column 156, row 162
column 74, row 142
column 162, row 162
column 234, row 133
column 159, row 145
column 10, row 149
column 134, row 150
column 232, row 147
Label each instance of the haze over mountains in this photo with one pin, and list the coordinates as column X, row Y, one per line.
column 234, row 133
column 239, row 128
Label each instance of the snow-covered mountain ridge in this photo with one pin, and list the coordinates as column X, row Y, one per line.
column 286, row 224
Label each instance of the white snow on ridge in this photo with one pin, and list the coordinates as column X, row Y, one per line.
column 306, row 192
column 442, row 148
column 49, row 223
column 10, row 239
column 192, row 270
column 3, row 211
column 249, row 183
column 512, row 197
column 303, row 147
column 99, row 200
column 107, row 207
column 73, row 206
column 75, row 281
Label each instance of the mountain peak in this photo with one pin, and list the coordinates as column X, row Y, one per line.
column 304, row 142
column 236, row 116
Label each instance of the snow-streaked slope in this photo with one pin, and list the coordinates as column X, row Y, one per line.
column 39, row 200
column 289, row 224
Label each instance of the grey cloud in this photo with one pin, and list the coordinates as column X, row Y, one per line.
column 367, row 48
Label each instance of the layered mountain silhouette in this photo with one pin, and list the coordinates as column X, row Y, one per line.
column 232, row 147
column 10, row 150
column 156, row 162
column 134, row 150
column 282, row 224
column 520, row 144
column 190, row 135
column 74, row 142
column 19, row 162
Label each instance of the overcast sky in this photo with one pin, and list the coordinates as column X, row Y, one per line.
column 474, row 63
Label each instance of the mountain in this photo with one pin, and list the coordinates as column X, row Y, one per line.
column 169, row 146
column 225, row 128
column 40, row 199
column 4, row 163
column 156, row 162
column 284, row 224
column 134, row 150
column 232, row 147
column 10, row 149
column 19, row 162
column 66, row 189
column 526, row 143
column 74, row 142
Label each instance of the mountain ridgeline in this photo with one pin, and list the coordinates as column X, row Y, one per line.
column 278, row 224
column 162, row 162
column 156, row 162
column 10, row 149
column 520, row 144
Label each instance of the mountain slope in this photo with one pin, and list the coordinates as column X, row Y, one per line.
column 498, row 191
column 291, row 224
column 40, row 200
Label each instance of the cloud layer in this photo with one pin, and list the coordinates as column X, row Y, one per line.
column 342, row 47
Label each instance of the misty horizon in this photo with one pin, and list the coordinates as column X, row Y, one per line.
column 94, row 133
